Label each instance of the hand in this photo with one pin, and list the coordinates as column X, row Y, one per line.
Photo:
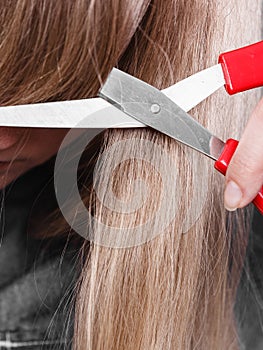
column 244, row 176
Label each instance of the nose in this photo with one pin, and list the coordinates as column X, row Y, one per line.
column 9, row 137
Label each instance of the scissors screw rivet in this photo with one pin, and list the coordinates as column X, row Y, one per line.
column 155, row 108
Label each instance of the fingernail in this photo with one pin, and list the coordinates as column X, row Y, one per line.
column 233, row 196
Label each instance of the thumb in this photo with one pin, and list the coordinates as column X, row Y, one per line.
column 244, row 176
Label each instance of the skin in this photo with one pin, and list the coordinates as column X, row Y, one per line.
column 24, row 148
column 246, row 167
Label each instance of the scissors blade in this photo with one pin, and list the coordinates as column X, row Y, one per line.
column 86, row 113
column 153, row 108
column 97, row 113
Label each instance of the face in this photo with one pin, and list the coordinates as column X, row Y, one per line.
column 24, row 148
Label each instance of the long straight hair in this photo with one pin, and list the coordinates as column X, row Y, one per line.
column 174, row 289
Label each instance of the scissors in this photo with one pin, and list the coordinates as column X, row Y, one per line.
column 126, row 101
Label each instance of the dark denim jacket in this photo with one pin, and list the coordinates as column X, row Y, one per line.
column 36, row 283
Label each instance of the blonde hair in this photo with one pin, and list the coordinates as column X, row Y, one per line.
column 177, row 289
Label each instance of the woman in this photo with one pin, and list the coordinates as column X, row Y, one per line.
column 178, row 289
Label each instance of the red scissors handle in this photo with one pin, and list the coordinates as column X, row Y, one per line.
column 243, row 68
column 222, row 164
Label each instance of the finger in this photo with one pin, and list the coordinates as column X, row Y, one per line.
column 244, row 176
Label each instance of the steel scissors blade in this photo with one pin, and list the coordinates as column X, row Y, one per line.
column 98, row 113
column 237, row 70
